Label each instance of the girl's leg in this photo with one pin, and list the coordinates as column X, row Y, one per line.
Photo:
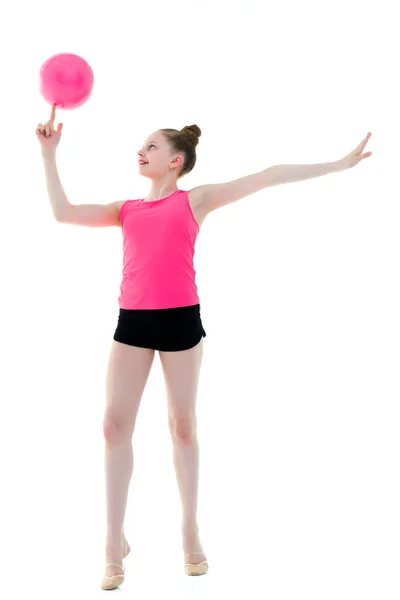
column 181, row 374
column 127, row 374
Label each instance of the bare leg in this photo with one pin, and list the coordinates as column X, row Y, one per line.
column 127, row 374
column 118, row 472
column 186, row 462
column 181, row 373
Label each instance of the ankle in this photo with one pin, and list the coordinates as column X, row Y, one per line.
column 115, row 540
column 190, row 529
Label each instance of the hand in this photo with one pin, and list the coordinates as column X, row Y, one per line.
column 354, row 157
column 47, row 135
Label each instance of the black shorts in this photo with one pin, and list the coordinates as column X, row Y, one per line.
column 165, row 329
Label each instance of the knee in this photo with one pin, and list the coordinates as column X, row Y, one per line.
column 183, row 430
column 114, row 432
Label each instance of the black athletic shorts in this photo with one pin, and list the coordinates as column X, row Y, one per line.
column 165, row 329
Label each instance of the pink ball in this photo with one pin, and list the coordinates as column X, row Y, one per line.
column 66, row 80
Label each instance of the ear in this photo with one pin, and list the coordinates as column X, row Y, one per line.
column 178, row 161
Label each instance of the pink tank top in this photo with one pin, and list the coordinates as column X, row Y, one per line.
column 159, row 240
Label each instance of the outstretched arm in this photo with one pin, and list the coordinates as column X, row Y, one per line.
column 214, row 196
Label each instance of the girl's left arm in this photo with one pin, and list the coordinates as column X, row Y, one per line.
column 214, row 196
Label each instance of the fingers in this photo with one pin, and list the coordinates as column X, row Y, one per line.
column 53, row 114
column 48, row 129
column 365, row 141
column 41, row 131
column 362, row 145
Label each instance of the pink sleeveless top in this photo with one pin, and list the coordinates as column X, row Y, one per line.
column 159, row 240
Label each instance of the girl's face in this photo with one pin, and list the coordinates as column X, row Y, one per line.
column 156, row 152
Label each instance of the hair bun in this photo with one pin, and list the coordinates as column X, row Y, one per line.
column 192, row 131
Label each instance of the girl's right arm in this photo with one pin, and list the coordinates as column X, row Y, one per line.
column 91, row 215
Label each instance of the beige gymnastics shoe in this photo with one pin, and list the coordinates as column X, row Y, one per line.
column 111, row 582
column 199, row 569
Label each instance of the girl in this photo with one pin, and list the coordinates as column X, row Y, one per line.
column 159, row 309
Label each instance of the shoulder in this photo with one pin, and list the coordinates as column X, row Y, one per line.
column 195, row 197
column 197, row 204
column 119, row 204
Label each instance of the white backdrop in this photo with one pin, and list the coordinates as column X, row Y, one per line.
column 298, row 405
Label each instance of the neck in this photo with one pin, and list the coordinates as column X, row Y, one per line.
column 161, row 189
column 160, row 193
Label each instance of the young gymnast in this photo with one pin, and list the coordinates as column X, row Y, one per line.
column 159, row 310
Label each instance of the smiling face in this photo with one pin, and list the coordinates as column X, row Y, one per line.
column 160, row 161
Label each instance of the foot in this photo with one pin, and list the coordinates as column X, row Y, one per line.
column 115, row 553
column 191, row 544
